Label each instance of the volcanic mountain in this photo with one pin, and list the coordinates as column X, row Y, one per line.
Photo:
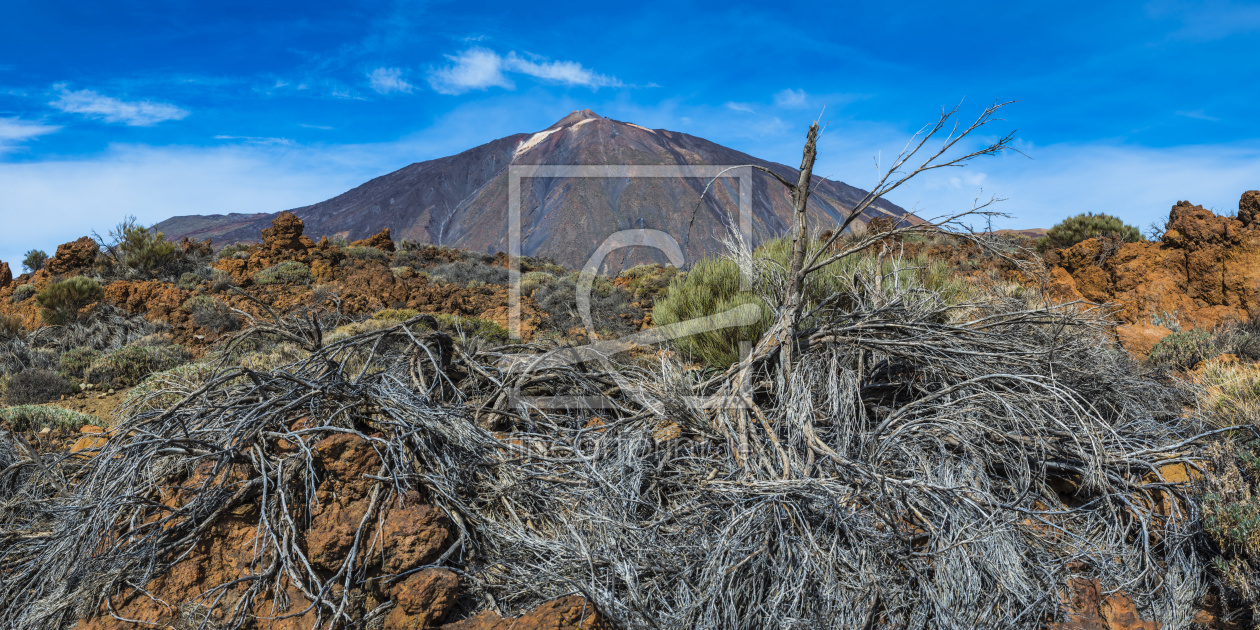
column 462, row 200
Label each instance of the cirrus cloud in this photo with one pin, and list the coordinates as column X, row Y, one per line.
column 14, row 131
column 132, row 113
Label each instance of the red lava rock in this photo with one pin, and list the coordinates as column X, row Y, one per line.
column 341, row 495
column 1088, row 609
column 1205, row 270
column 566, row 613
column 422, row 599
column 6, row 276
column 380, row 241
column 73, row 257
column 413, row 536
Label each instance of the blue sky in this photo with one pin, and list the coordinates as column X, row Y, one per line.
column 159, row 108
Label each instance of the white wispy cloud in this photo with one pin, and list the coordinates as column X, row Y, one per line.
column 566, row 72
column 473, row 69
column 481, row 68
column 740, row 107
column 256, row 139
column 1198, row 114
column 132, row 113
column 17, row 130
column 386, row 80
column 790, row 98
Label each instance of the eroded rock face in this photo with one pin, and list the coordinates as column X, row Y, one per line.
column 6, row 275
column 380, row 240
column 1204, row 272
column 73, row 257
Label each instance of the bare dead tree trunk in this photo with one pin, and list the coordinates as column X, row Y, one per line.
column 800, row 243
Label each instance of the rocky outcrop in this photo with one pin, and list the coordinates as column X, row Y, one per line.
column 1204, row 271
column 6, row 275
column 73, row 257
column 285, row 235
column 380, row 240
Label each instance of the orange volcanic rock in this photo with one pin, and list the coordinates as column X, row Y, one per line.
column 73, row 257
column 380, row 240
column 6, row 276
column 422, row 599
column 1089, row 609
column 1204, row 272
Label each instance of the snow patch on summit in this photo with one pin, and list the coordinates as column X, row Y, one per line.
column 533, row 141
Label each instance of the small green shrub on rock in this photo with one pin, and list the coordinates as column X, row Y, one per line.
column 35, row 386
column 62, row 302
column 367, row 253
column 23, row 292
column 1073, row 230
column 232, row 251
column 288, row 272
column 1184, row 350
column 36, row 417
column 76, row 362
column 128, row 366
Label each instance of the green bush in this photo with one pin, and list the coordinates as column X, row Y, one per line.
column 232, row 250
column 128, row 366
column 647, row 283
column 367, row 253
column 62, row 302
column 76, row 362
column 34, row 260
column 35, row 386
column 138, row 248
column 22, row 293
column 288, row 272
column 1184, row 350
column 1081, row 227
column 713, row 286
column 36, row 417
column 532, row 280
column 189, row 281
column 710, row 287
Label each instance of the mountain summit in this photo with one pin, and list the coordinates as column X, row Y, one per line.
column 462, row 200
